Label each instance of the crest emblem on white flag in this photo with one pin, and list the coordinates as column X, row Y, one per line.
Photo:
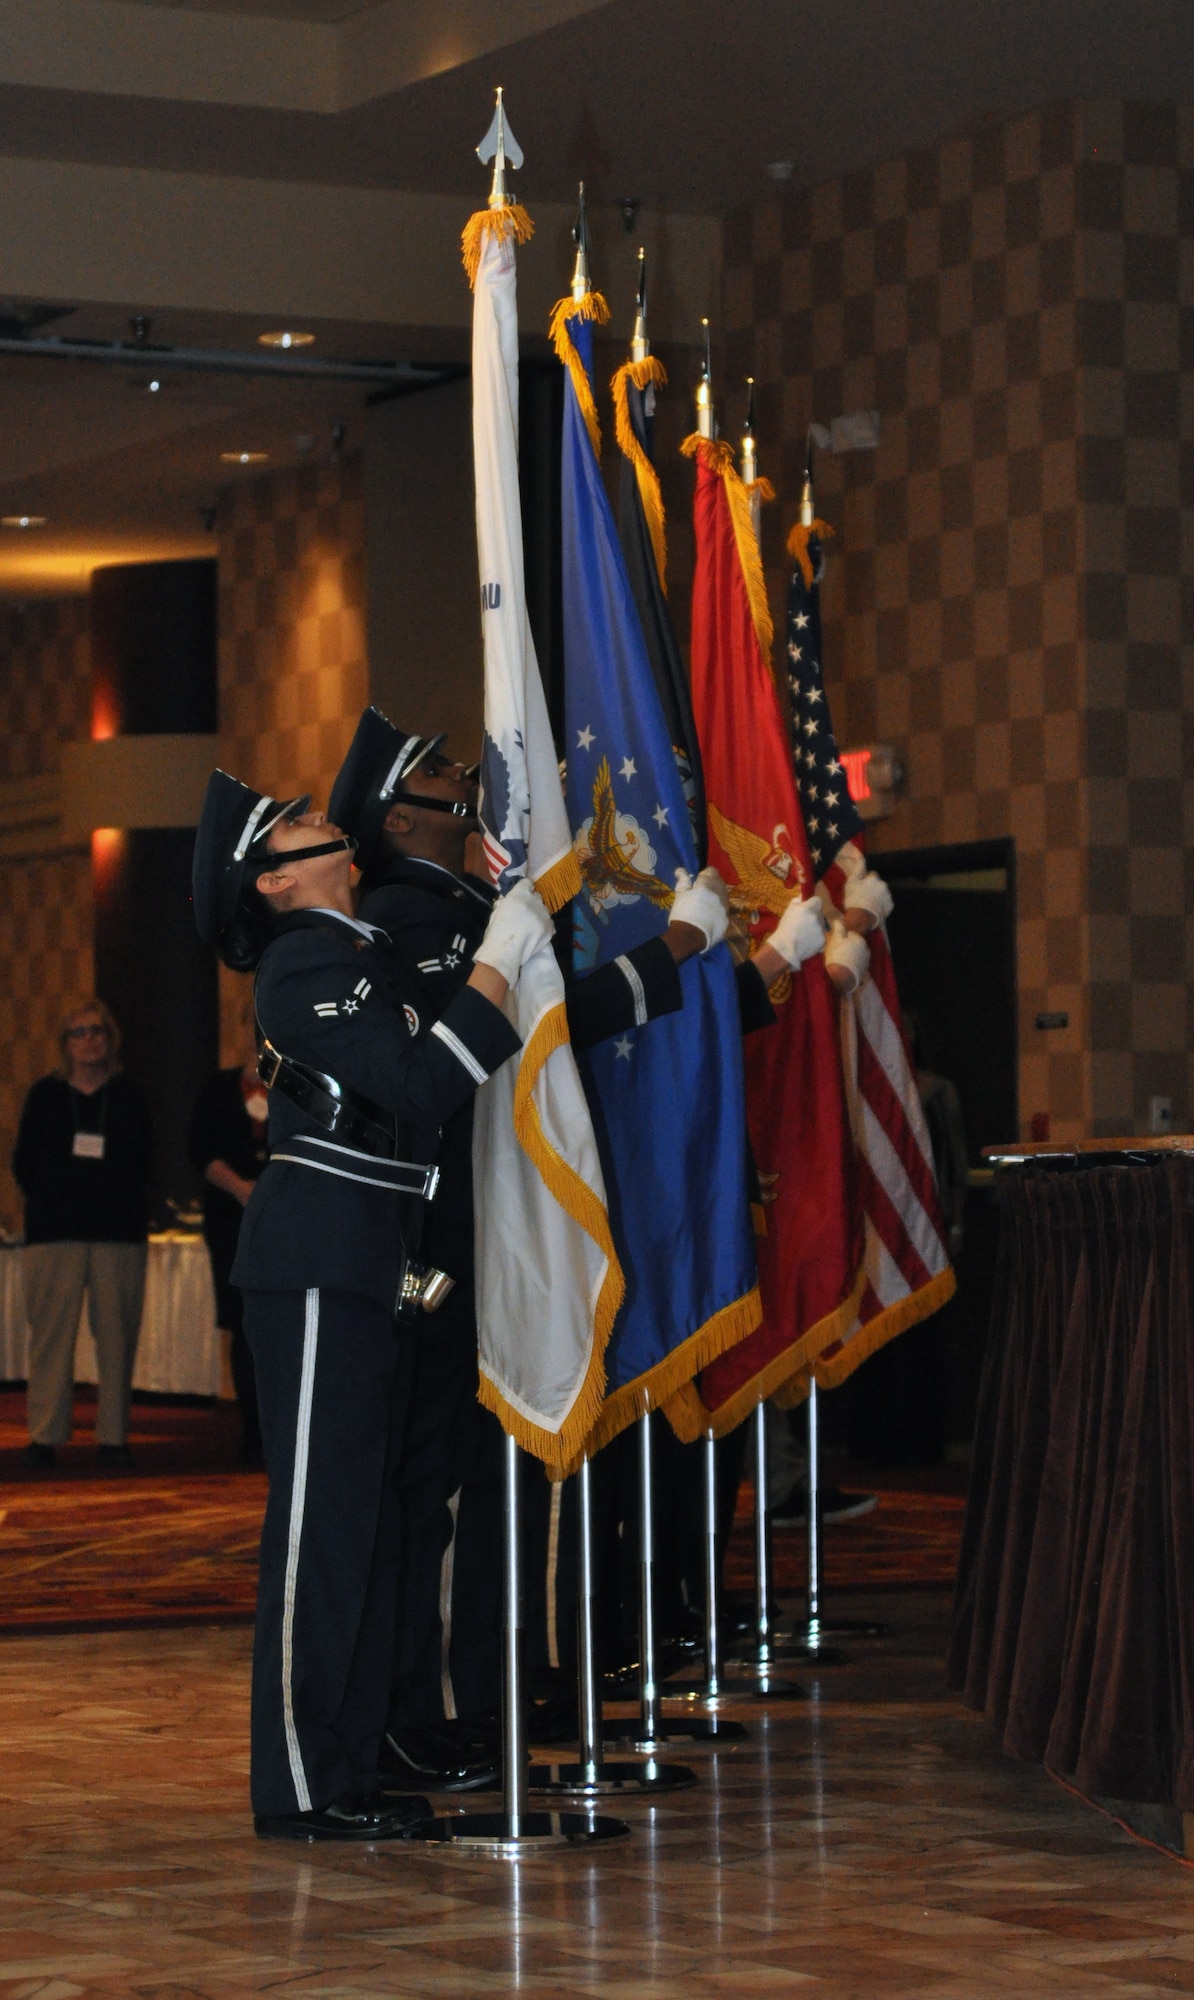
column 548, row 1280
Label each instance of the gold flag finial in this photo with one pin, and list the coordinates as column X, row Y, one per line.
column 581, row 286
column 808, row 511
column 704, row 393
column 640, row 345
column 500, row 146
column 750, row 459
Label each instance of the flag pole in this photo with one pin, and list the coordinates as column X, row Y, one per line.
column 514, row 1831
column 592, row 1777
column 655, row 1730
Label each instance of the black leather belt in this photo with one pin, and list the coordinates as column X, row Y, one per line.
column 357, row 1124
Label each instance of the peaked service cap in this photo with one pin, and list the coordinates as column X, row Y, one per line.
column 379, row 757
column 230, row 847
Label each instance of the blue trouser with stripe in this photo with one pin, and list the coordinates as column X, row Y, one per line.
column 333, row 1382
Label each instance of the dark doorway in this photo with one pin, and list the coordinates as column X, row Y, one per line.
column 953, row 941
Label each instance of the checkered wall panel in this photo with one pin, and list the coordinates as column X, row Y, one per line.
column 292, row 667
column 1005, row 594
column 45, row 904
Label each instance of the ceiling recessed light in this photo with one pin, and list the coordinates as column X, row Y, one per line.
column 154, row 386
column 287, row 338
column 243, row 457
column 22, row 520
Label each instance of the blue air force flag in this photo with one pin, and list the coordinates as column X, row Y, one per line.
column 667, row 1096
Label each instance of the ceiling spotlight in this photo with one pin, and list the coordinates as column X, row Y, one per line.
column 22, row 520
column 243, row 457
column 782, row 170
column 154, row 386
column 286, row 339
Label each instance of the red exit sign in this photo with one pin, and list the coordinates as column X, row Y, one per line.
column 873, row 776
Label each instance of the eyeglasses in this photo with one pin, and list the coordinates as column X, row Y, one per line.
column 88, row 1028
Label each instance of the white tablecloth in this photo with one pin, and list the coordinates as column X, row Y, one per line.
column 179, row 1351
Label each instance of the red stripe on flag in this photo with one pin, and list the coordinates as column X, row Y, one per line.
column 889, row 1226
column 877, row 1090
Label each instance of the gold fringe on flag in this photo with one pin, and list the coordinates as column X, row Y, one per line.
column 561, row 882
column 832, row 1369
column 798, row 542
column 640, row 373
column 593, row 307
column 512, row 220
column 560, row 1450
column 661, row 1385
column 687, row 1414
column 718, row 457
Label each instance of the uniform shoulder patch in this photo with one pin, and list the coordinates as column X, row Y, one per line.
column 412, row 1019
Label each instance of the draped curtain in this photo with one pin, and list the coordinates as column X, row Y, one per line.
column 1073, row 1625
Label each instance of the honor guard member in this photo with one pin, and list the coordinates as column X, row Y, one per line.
column 412, row 810
column 329, row 1265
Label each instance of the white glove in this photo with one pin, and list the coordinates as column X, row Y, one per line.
column 705, row 904
column 800, row 932
column 847, row 958
column 519, row 926
column 869, row 892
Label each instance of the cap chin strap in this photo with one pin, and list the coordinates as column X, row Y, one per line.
column 270, row 863
column 457, row 808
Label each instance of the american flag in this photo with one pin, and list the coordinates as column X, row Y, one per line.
column 830, row 815
column 907, row 1264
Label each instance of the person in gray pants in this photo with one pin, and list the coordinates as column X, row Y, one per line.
column 82, row 1162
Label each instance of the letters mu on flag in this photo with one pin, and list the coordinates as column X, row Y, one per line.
column 907, row 1274
column 810, row 1245
column 549, row 1282
column 667, row 1095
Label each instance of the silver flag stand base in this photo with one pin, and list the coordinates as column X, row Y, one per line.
column 653, row 1731
column 493, row 1837
column 591, row 1777
column 760, row 1682
column 513, row 1832
column 813, row 1630
column 767, row 1653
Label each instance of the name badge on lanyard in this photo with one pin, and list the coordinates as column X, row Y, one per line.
column 88, row 1146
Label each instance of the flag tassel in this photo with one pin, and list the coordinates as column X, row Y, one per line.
column 834, row 1369
column 718, row 457
column 593, row 307
column 512, row 220
column 802, row 534
column 640, row 374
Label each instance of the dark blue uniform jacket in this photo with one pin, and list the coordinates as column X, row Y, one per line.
column 330, row 997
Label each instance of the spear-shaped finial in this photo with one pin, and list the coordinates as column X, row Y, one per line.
column 640, row 345
column 808, row 511
column 704, row 394
column 750, row 461
column 500, row 146
column 580, row 270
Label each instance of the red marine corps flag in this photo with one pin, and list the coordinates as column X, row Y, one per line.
column 908, row 1274
column 810, row 1245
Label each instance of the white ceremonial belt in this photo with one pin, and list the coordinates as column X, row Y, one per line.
column 401, row 1176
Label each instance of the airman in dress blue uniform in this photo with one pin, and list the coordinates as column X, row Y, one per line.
column 331, row 1268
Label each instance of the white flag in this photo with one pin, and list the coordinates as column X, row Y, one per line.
column 548, row 1280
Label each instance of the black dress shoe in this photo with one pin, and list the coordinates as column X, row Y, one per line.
column 357, row 1816
column 415, row 1755
column 114, row 1454
column 42, row 1456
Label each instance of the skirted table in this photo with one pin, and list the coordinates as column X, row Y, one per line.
column 179, row 1351
column 1074, row 1617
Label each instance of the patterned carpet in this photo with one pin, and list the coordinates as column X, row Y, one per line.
column 174, row 1541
